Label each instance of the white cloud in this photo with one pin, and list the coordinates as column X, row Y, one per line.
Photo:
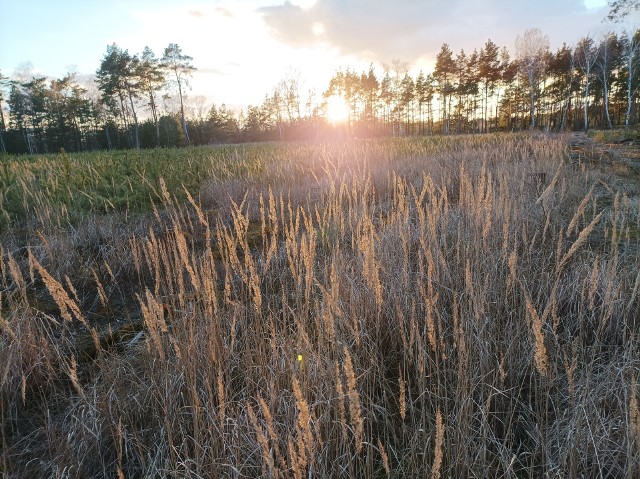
column 382, row 30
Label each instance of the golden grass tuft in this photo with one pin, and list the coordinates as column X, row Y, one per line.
column 355, row 414
column 384, row 457
column 541, row 360
column 439, row 443
column 68, row 308
column 634, row 413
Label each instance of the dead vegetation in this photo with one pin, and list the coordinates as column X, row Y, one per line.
column 463, row 307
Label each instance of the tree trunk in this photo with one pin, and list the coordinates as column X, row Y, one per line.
column 532, row 107
column 606, row 103
column 486, row 108
column 124, row 119
column 2, row 129
column 154, row 113
column 629, row 92
column 449, row 115
column 586, row 106
column 184, row 122
column 135, row 119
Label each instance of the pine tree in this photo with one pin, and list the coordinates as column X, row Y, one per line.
column 443, row 73
column 118, row 80
column 151, row 82
column 179, row 67
column 489, row 74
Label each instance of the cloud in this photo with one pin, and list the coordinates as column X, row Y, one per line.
column 223, row 12
column 213, row 71
column 227, row 68
column 290, row 23
column 379, row 30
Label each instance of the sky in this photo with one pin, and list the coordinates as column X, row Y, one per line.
column 243, row 48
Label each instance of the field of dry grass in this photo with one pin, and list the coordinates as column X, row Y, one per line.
column 440, row 307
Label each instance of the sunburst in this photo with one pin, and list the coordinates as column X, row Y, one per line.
column 337, row 109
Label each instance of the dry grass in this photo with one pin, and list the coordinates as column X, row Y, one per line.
column 401, row 308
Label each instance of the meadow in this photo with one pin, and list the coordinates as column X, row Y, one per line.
column 421, row 307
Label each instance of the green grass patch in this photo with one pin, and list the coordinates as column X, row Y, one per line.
column 67, row 187
column 614, row 136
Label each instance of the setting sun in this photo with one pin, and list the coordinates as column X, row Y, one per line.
column 337, row 109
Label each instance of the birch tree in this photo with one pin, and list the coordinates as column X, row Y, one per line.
column 532, row 53
column 586, row 56
column 631, row 59
column 4, row 82
column 608, row 53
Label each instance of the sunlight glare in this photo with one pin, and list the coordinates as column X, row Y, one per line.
column 592, row 4
column 337, row 109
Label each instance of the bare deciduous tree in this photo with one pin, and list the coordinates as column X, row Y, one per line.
column 586, row 55
column 532, row 52
column 620, row 9
column 3, row 83
column 631, row 59
column 608, row 52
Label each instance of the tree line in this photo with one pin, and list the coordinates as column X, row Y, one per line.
column 52, row 115
column 593, row 84
column 142, row 99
